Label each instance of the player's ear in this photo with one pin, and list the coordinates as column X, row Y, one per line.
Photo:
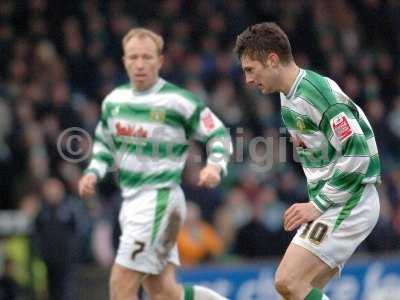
column 161, row 61
column 123, row 58
column 273, row 58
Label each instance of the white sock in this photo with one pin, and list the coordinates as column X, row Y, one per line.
column 201, row 293
column 324, row 297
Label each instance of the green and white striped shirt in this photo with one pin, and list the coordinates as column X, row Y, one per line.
column 144, row 136
column 333, row 138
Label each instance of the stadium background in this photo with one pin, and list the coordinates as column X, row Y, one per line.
column 58, row 59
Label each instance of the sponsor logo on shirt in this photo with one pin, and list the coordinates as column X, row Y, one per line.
column 130, row 131
column 341, row 127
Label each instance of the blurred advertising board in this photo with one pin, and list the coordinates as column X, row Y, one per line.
column 368, row 280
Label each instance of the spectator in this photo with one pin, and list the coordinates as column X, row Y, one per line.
column 271, row 215
column 57, row 234
column 234, row 213
column 9, row 289
column 197, row 241
column 251, row 239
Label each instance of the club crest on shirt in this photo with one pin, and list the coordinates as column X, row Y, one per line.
column 157, row 115
column 300, row 124
column 341, row 127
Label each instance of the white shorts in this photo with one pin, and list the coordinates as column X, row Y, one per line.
column 150, row 222
column 337, row 233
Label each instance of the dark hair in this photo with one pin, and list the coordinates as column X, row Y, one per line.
column 258, row 40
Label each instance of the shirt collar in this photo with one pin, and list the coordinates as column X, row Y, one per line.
column 153, row 89
column 295, row 84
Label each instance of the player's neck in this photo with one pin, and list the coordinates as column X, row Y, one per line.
column 288, row 77
column 147, row 87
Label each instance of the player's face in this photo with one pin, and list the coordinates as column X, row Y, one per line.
column 142, row 62
column 259, row 74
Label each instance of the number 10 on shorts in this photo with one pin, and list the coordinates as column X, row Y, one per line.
column 317, row 234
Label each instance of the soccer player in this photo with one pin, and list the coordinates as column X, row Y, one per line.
column 337, row 149
column 143, row 133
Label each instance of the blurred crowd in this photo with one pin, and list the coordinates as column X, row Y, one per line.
column 58, row 60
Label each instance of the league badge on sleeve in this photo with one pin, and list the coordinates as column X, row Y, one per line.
column 341, row 127
column 208, row 120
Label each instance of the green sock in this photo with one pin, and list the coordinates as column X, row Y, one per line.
column 315, row 294
column 189, row 292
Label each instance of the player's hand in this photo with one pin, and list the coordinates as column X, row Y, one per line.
column 87, row 185
column 299, row 214
column 210, row 176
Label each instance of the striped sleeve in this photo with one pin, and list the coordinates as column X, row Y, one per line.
column 208, row 128
column 102, row 153
column 341, row 127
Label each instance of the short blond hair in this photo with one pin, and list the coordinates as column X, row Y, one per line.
column 141, row 33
